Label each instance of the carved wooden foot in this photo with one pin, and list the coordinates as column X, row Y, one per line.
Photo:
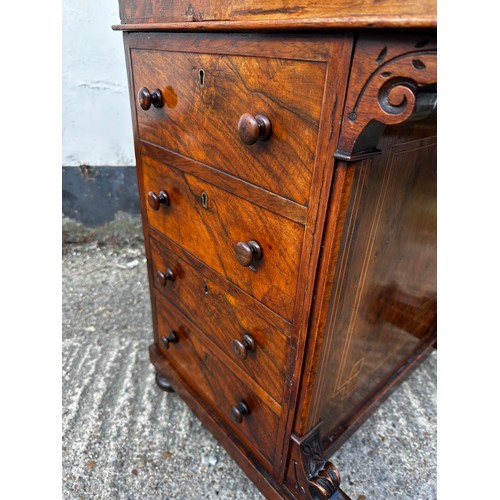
column 163, row 383
column 310, row 474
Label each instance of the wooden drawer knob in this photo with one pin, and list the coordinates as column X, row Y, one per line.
column 252, row 128
column 243, row 346
column 246, row 253
column 239, row 411
column 155, row 200
column 163, row 277
column 146, row 98
column 171, row 339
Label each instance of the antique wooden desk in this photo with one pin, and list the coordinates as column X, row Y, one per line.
column 286, row 159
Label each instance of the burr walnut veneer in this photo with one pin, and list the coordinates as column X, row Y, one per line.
column 286, row 159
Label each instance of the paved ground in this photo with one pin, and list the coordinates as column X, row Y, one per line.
column 125, row 439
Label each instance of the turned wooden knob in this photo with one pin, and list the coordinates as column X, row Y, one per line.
column 246, row 253
column 252, row 128
column 146, row 98
column 163, row 277
column 239, row 411
column 171, row 339
column 155, row 200
column 243, row 346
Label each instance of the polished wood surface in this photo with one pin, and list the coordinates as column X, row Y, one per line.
column 287, row 186
column 382, row 303
column 258, row 195
column 319, row 13
column 201, row 117
column 262, row 478
column 227, row 315
column 388, row 83
column 197, row 360
column 227, row 221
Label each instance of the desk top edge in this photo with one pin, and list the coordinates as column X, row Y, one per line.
column 334, row 23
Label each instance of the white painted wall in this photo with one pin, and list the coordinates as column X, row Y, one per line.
column 96, row 122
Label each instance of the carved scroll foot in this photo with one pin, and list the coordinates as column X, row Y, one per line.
column 309, row 474
column 163, row 384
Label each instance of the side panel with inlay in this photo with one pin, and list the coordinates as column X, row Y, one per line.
column 383, row 299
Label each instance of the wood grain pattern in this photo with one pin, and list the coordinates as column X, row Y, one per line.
column 225, row 316
column 200, row 116
column 235, row 447
column 383, row 49
column 315, row 363
column 194, row 358
column 338, row 67
column 383, row 299
column 211, row 234
column 259, row 196
column 343, row 13
column 338, row 203
column 387, row 78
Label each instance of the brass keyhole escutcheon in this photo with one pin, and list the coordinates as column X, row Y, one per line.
column 204, row 199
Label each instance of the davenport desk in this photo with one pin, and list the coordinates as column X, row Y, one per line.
column 286, row 161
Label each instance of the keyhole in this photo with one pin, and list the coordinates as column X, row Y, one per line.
column 206, row 290
column 204, row 199
column 201, row 75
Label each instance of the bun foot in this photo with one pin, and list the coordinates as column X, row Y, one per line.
column 163, row 383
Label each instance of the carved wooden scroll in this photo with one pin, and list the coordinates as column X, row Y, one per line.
column 389, row 83
column 310, row 475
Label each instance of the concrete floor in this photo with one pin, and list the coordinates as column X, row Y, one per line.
column 125, row 439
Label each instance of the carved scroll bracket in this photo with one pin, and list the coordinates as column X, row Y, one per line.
column 309, row 474
column 390, row 82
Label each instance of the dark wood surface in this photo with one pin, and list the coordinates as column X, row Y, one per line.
column 386, row 84
column 385, row 224
column 337, row 203
column 319, row 13
column 288, row 287
column 383, row 299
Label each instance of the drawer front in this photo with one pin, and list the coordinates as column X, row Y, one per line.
column 205, row 95
column 227, row 317
column 194, row 358
column 227, row 223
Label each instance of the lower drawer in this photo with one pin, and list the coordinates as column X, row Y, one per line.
column 242, row 405
column 227, row 315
